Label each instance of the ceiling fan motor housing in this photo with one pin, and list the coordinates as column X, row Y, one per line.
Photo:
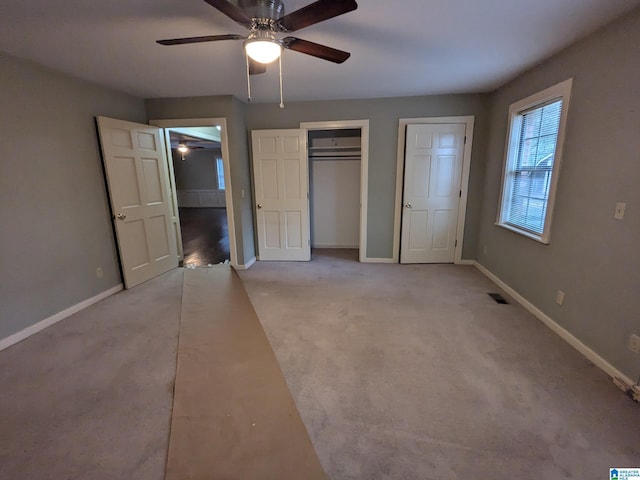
column 262, row 9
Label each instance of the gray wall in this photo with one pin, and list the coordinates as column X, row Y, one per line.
column 592, row 257
column 198, row 171
column 383, row 115
column 234, row 111
column 54, row 215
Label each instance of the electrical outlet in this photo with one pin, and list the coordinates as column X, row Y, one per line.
column 634, row 343
column 620, row 208
column 560, row 297
column 99, row 272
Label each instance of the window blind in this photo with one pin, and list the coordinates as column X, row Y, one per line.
column 531, row 166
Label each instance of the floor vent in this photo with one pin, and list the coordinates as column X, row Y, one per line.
column 498, row 298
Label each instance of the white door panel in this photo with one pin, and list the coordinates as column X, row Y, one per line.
column 433, row 171
column 137, row 176
column 282, row 203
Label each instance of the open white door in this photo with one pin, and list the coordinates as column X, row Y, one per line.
column 282, row 194
column 173, row 201
column 432, row 176
column 137, row 177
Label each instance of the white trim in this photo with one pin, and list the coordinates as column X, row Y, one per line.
column 224, row 146
column 466, row 262
column 562, row 91
column 363, row 125
column 378, row 260
column 47, row 322
column 567, row 336
column 469, row 121
column 524, row 233
column 246, row 266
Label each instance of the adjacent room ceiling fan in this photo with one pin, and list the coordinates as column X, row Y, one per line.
column 265, row 19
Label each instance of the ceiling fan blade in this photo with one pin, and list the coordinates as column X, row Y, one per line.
column 232, row 11
column 208, row 38
column 314, row 13
column 315, row 49
column 256, row 68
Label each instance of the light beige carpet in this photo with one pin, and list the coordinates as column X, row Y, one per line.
column 233, row 415
column 413, row 372
column 89, row 398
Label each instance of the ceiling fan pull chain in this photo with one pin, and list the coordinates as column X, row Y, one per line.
column 248, row 79
column 281, row 99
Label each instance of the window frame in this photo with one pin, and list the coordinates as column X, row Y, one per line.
column 560, row 91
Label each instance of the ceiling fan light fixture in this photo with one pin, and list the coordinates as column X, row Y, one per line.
column 263, row 47
column 182, row 148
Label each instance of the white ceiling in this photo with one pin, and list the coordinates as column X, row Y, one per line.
column 398, row 48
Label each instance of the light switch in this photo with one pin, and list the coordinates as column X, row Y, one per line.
column 619, row 213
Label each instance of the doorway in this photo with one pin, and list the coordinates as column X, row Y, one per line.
column 202, row 191
column 196, row 157
column 338, row 155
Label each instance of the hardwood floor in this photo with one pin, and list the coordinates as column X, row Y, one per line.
column 205, row 236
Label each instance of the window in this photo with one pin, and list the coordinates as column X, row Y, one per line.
column 534, row 147
column 220, row 171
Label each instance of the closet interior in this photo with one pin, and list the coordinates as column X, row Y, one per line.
column 334, row 169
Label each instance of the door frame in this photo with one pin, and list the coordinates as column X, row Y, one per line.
column 468, row 120
column 363, row 125
column 174, row 123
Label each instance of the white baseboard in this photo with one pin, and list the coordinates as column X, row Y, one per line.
column 246, row 266
column 466, row 262
column 47, row 322
column 378, row 260
column 318, row 245
column 567, row 336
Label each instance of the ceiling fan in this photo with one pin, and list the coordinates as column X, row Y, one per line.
column 265, row 19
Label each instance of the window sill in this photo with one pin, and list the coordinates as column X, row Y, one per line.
column 538, row 238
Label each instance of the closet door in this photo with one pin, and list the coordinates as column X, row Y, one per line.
column 433, row 171
column 282, row 194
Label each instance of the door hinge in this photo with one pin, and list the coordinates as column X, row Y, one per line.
column 456, row 243
column 465, row 139
column 460, row 195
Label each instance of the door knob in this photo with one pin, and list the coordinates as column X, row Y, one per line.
column 408, row 205
column 259, row 205
column 121, row 216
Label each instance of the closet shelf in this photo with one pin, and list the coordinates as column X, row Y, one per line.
column 335, row 147
column 334, row 157
column 335, row 152
column 329, row 153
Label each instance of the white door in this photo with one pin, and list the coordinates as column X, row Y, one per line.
column 282, row 194
column 432, row 176
column 173, row 204
column 137, row 176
